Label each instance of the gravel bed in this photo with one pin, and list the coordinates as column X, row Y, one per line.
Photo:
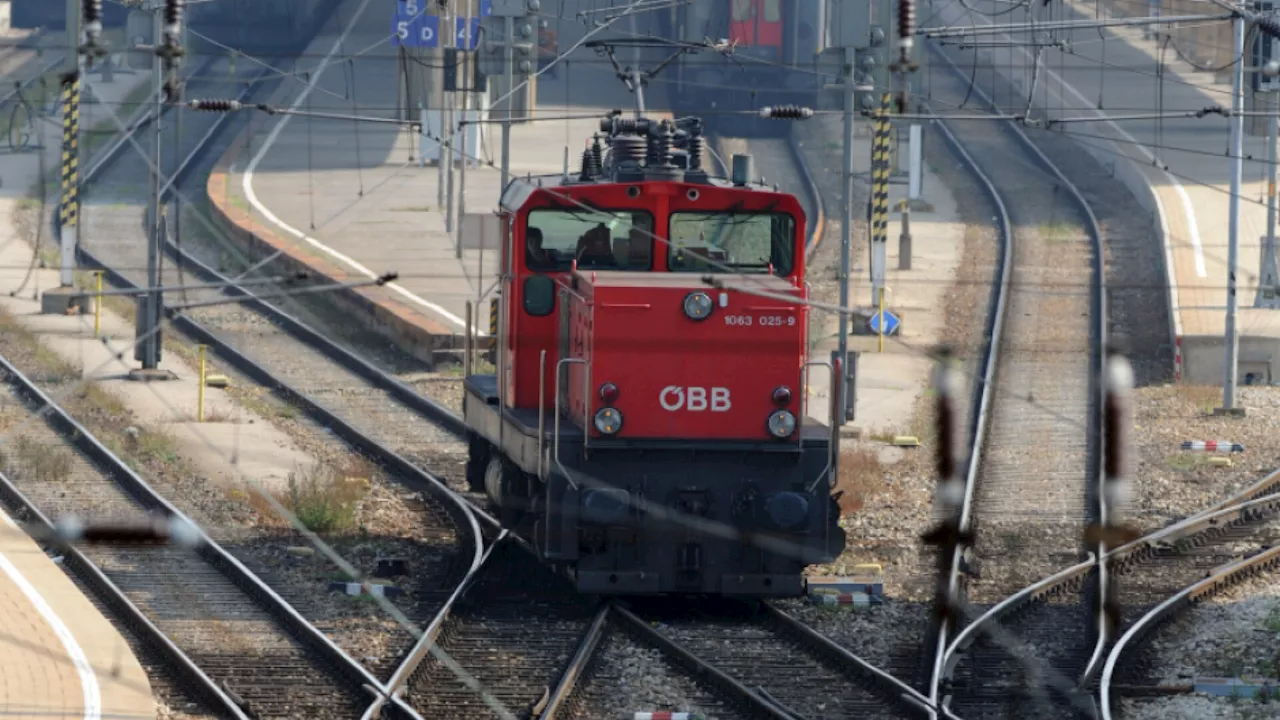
column 1170, row 483
column 627, row 677
column 1231, row 634
column 1234, row 633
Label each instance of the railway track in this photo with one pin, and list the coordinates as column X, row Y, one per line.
column 223, row 633
column 372, row 408
column 444, row 539
column 1129, row 662
column 1032, row 477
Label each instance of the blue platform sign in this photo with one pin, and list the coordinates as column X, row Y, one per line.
column 891, row 323
column 466, row 32
column 486, row 8
column 415, row 30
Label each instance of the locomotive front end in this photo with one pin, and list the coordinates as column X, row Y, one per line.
column 697, row 471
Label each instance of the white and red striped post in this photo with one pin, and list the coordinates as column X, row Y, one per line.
column 1212, row 446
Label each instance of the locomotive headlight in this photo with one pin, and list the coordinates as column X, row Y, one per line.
column 608, row 421
column 782, row 423
column 697, row 305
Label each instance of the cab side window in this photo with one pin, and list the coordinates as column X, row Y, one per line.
column 597, row 240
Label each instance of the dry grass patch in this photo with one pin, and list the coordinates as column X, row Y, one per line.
column 28, row 458
column 326, row 497
column 1203, row 398
column 860, row 476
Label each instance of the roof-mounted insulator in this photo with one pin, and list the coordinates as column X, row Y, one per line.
column 906, row 34
column 215, row 105
column 171, row 48
column 93, row 30
column 786, row 112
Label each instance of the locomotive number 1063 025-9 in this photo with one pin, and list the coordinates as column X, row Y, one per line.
column 760, row 320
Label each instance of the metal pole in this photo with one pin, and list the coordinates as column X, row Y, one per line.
column 462, row 176
column 1267, row 276
column 200, row 390
column 69, row 232
column 506, row 114
column 97, row 304
column 846, row 224
column 1233, row 231
column 150, row 347
column 447, row 127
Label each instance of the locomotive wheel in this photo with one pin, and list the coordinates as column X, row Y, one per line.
column 478, row 455
column 508, row 482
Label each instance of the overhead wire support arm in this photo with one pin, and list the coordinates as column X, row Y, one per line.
column 961, row 31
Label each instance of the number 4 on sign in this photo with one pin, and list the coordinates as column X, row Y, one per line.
column 466, row 32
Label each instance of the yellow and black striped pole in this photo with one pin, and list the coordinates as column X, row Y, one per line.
column 69, row 207
column 493, row 321
column 880, row 207
column 69, row 210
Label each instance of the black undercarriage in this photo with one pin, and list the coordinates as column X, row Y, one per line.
column 657, row 517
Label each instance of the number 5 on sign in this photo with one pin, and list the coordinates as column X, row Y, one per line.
column 415, row 31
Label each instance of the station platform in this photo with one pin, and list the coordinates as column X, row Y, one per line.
column 354, row 202
column 1177, row 168
column 61, row 658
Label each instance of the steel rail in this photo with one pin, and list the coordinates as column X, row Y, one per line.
column 703, row 669
column 213, row 553
column 1220, row 577
column 885, row 683
column 578, row 665
column 458, row 510
column 983, row 394
column 399, row 680
column 1098, row 335
column 1233, row 510
column 129, row 613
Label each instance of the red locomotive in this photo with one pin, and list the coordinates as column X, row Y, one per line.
column 646, row 424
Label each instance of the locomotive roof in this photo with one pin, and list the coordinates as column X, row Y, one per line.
column 519, row 190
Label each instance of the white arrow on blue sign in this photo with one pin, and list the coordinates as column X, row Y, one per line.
column 418, row 31
column 891, row 323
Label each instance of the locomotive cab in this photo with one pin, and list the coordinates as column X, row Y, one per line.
column 646, row 425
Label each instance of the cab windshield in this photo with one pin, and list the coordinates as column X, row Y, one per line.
column 732, row 242
column 597, row 239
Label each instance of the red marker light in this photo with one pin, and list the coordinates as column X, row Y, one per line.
column 609, row 393
column 782, row 395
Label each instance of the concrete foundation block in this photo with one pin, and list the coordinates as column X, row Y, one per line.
column 157, row 375
column 65, row 301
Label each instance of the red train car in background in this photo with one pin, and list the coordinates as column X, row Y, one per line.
column 776, row 46
column 645, row 427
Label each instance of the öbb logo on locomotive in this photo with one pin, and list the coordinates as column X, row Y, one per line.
column 694, row 399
